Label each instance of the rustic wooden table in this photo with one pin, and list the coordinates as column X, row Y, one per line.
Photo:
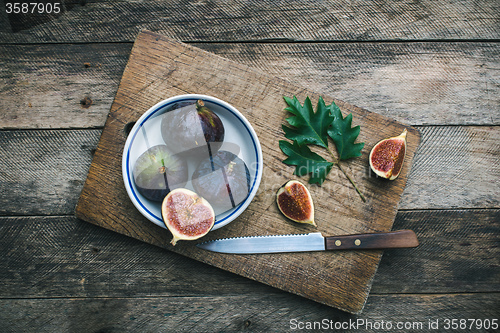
column 431, row 64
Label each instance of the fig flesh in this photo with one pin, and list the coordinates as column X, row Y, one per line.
column 158, row 171
column 295, row 202
column 192, row 126
column 223, row 180
column 187, row 215
column 387, row 156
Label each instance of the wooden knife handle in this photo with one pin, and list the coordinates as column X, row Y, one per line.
column 382, row 240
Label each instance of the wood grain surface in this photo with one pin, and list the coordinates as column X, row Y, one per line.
column 159, row 68
column 416, row 83
column 118, row 282
column 66, row 257
column 236, row 313
column 119, row 20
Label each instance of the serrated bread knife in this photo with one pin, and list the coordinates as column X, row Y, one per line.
column 312, row 242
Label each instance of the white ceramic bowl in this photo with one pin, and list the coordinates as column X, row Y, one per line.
column 237, row 131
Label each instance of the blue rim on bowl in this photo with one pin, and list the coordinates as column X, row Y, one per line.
column 233, row 117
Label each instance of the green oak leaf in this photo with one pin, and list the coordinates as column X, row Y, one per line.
column 308, row 127
column 343, row 135
column 306, row 161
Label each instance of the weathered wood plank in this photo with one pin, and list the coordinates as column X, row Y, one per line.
column 45, row 170
column 59, row 86
column 415, row 83
column 104, row 21
column 46, row 86
column 25, row 16
column 274, row 313
column 459, row 164
column 66, row 257
column 459, row 250
column 42, row 172
column 5, row 27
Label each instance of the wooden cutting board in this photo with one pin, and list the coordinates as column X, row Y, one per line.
column 160, row 68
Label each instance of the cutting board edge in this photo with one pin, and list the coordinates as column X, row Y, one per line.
column 80, row 214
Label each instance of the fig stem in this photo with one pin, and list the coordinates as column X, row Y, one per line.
column 164, row 172
column 336, row 161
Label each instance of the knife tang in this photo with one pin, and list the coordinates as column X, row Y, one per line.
column 374, row 241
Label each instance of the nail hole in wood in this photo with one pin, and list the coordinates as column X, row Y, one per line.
column 86, row 102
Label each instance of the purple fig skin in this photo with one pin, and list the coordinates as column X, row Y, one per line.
column 215, row 186
column 185, row 130
column 158, row 171
column 210, row 123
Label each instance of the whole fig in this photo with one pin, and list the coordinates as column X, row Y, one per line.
column 158, row 171
column 191, row 127
column 223, row 179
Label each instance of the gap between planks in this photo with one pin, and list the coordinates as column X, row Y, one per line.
column 234, row 295
column 278, row 41
column 34, row 216
column 31, row 129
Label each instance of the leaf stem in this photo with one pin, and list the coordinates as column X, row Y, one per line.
column 337, row 162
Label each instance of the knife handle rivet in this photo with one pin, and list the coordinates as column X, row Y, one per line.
column 357, row 242
column 338, row 242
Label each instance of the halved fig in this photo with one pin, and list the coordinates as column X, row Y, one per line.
column 387, row 156
column 187, row 215
column 295, row 202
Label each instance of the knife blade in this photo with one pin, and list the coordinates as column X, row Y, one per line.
column 314, row 241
